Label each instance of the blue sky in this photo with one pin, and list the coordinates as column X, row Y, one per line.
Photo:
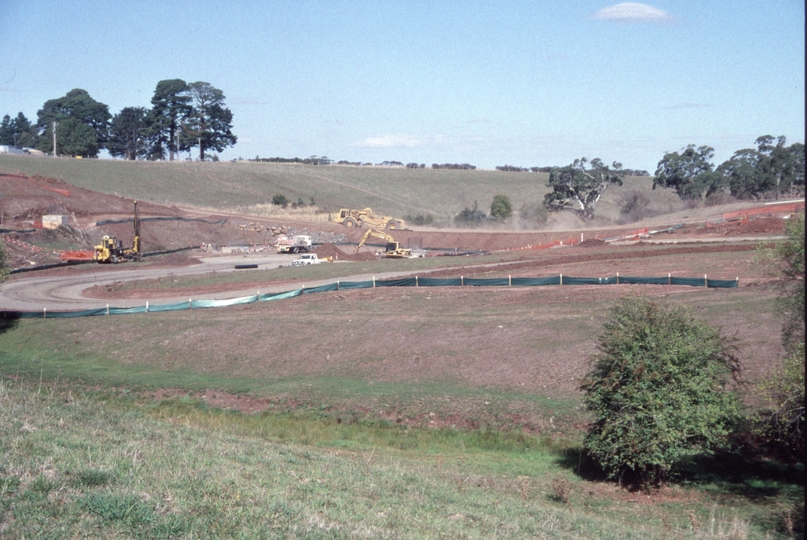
column 488, row 83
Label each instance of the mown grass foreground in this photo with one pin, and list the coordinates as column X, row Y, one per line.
column 78, row 465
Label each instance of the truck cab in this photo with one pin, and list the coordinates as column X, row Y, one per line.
column 305, row 259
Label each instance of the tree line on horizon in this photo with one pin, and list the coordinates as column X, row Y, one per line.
column 182, row 116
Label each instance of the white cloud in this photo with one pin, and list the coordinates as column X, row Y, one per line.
column 633, row 12
column 390, row 141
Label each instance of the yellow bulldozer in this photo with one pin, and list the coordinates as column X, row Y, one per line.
column 358, row 218
column 392, row 250
column 110, row 249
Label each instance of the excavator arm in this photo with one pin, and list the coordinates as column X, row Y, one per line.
column 377, row 234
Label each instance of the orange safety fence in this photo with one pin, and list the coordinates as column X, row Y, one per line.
column 768, row 209
column 554, row 243
column 76, row 255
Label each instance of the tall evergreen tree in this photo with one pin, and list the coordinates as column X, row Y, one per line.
column 170, row 106
column 129, row 133
column 82, row 123
column 210, row 122
column 16, row 131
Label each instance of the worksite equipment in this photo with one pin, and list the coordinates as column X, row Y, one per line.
column 297, row 244
column 358, row 218
column 110, row 250
column 392, row 250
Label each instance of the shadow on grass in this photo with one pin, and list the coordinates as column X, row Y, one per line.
column 753, row 479
column 8, row 320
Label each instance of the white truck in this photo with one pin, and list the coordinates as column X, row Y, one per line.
column 307, row 258
column 296, row 244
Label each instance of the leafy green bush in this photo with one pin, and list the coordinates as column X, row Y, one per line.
column 280, row 200
column 781, row 422
column 501, row 207
column 470, row 216
column 420, row 219
column 658, row 390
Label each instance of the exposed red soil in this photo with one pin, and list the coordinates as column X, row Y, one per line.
column 493, row 360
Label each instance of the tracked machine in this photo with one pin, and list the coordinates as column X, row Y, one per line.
column 392, row 250
column 110, row 250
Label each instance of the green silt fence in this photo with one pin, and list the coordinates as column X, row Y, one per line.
column 401, row 282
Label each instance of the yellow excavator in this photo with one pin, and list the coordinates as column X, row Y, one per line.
column 110, row 249
column 393, row 250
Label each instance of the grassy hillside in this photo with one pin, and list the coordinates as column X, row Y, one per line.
column 76, row 465
column 393, row 191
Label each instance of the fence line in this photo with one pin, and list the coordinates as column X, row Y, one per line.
column 416, row 281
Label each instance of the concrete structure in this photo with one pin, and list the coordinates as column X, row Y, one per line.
column 54, row 221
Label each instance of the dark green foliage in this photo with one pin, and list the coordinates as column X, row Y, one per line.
column 691, row 173
column 17, row 131
column 169, row 106
column 577, row 188
column 27, row 133
column 781, row 423
column 769, row 170
column 209, row 123
column 790, row 266
column 280, row 200
column 501, row 208
column 82, row 124
column 420, row 219
column 470, row 216
column 6, row 131
column 129, row 134
column 659, row 390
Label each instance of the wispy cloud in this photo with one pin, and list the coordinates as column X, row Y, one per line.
column 390, row 141
column 632, row 12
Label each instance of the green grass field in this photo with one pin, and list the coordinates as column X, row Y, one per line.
column 392, row 191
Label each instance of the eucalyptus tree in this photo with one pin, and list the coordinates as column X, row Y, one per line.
column 578, row 188
column 690, row 173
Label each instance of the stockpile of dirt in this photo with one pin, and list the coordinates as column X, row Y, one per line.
column 761, row 225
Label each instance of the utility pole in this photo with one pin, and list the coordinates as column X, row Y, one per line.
column 54, row 124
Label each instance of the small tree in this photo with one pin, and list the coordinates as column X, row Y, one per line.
column 470, row 216
column 659, row 390
column 577, row 188
column 280, row 200
column 501, row 207
column 782, row 422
